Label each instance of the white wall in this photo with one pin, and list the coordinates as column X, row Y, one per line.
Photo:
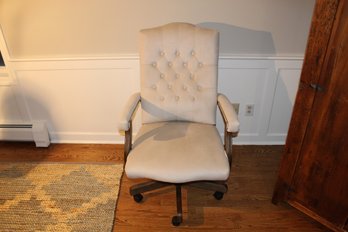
column 79, row 28
column 74, row 63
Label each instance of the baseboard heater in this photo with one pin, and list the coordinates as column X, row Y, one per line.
column 36, row 131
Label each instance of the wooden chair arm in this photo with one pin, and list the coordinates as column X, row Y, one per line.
column 229, row 116
column 126, row 119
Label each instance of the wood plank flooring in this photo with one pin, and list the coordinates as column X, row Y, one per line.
column 246, row 207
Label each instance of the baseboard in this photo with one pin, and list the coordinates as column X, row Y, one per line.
column 86, row 138
column 113, row 138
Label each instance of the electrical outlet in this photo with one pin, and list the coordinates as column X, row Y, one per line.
column 236, row 107
column 249, row 110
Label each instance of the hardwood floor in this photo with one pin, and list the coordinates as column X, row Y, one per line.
column 93, row 153
column 246, row 207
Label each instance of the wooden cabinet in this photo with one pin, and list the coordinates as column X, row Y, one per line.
column 313, row 175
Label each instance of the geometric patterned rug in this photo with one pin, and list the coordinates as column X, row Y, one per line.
column 58, row 197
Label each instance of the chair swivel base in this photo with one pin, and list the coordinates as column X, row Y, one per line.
column 176, row 220
column 136, row 190
column 218, row 195
column 138, row 197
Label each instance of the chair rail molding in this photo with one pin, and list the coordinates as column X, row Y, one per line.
column 80, row 98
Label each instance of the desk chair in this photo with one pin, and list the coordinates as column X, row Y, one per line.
column 178, row 143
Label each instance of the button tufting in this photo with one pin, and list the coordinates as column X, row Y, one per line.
column 193, row 98
column 162, row 76
column 177, row 98
column 199, row 87
column 170, row 64
column 200, row 64
column 169, row 86
column 193, row 53
column 184, row 88
column 192, row 76
column 161, row 98
column 177, row 53
column 154, row 64
column 184, row 64
column 161, row 53
column 177, row 76
column 154, row 87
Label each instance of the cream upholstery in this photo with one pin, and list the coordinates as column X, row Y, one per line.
column 178, row 73
column 178, row 142
column 178, row 152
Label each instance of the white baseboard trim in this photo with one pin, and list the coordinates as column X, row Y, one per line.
column 113, row 138
column 86, row 138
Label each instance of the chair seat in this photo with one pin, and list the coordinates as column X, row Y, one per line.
column 178, row 152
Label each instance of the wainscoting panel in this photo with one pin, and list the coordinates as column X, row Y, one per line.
column 283, row 101
column 267, row 84
column 81, row 99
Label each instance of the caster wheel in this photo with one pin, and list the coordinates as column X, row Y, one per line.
column 138, row 197
column 218, row 195
column 176, row 220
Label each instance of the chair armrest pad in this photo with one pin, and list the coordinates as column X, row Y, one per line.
column 128, row 111
column 229, row 114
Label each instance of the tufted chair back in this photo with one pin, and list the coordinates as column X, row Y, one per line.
column 178, row 63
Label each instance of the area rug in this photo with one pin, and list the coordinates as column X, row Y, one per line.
column 58, row 197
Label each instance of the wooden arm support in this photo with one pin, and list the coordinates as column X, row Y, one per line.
column 227, row 136
column 128, row 116
column 128, row 141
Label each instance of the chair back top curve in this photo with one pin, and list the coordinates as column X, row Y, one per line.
column 178, row 69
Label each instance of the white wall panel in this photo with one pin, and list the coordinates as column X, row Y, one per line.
column 245, row 86
column 80, row 102
column 81, row 99
column 9, row 110
column 284, row 98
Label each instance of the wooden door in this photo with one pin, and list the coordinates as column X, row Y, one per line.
column 314, row 172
